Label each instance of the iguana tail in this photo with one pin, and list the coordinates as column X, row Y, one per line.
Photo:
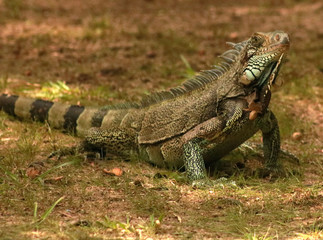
column 71, row 118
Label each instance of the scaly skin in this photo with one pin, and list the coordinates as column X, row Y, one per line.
column 191, row 125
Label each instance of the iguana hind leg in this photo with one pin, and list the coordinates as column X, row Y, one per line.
column 115, row 141
column 100, row 142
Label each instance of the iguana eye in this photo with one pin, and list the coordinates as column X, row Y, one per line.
column 256, row 41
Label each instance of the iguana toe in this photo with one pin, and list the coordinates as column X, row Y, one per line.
column 218, row 183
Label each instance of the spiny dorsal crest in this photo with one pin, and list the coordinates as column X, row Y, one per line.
column 200, row 80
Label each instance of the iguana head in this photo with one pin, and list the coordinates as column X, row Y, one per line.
column 263, row 55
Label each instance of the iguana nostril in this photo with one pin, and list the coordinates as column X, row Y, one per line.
column 285, row 40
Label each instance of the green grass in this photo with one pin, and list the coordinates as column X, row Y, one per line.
column 44, row 216
column 14, row 8
column 97, row 28
column 3, row 81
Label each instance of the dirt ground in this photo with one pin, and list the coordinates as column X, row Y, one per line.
column 102, row 52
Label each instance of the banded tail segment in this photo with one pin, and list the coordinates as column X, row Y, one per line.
column 72, row 118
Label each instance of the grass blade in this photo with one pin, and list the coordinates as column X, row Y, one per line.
column 10, row 174
column 49, row 210
column 41, row 176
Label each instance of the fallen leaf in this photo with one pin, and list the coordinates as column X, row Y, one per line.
column 32, row 172
column 233, row 35
column 115, row 171
column 151, row 54
column 57, row 178
column 297, row 136
column 53, row 179
column 28, row 73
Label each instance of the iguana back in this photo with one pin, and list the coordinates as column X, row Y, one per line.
column 157, row 117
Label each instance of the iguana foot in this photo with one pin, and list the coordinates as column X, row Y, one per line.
column 64, row 152
column 247, row 149
column 256, row 149
column 289, row 156
column 78, row 150
column 274, row 172
column 218, row 183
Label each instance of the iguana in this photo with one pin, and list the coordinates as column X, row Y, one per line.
column 191, row 125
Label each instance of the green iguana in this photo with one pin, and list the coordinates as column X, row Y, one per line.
column 191, row 125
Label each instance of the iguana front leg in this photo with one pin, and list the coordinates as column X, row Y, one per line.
column 193, row 161
column 195, row 166
column 271, row 139
column 202, row 135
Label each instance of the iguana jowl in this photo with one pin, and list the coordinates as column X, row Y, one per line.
column 190, row 125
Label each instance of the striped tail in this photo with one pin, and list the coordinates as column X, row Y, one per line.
column 71, row 118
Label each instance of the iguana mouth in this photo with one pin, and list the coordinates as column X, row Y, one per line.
column 276, row 48
column 269, row 74
column 265, row 51
column 274, row 72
